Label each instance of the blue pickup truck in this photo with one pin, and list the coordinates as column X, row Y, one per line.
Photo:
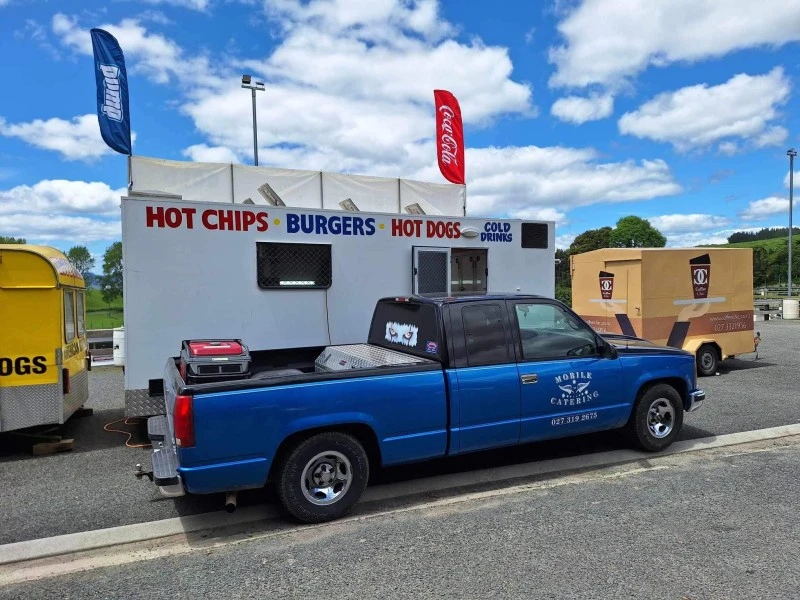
column 436, row 378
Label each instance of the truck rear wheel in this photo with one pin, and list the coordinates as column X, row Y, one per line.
column 323, row 477
column 657, row 418
column 707, row 360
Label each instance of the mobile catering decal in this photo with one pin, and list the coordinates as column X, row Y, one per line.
column 216, row 219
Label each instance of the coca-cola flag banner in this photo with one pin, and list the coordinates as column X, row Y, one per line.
column 449, row 136
column 112, row 91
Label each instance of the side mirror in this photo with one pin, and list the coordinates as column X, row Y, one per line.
column 608, row 351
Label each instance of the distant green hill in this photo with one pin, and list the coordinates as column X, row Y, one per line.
column 773, row 244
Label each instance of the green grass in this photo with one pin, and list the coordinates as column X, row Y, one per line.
column 100, row 315
column 773, row 244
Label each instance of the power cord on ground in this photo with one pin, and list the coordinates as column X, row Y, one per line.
column 128, row 433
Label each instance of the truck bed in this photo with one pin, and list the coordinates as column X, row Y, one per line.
column 288, row 366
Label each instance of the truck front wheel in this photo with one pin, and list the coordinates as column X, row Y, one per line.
column 657, row 418
column 323, row 477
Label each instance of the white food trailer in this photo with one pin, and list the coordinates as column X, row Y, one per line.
column 261, row 263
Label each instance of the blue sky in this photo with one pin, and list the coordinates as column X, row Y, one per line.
column 581, row 111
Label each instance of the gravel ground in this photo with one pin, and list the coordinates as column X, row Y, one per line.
column 93, row 486
column 687, row 527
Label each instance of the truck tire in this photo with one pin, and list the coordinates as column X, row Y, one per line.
column 707, row 360
column 657, row 418
column 323, row 477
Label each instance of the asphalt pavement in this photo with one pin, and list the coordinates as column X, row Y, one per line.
column 708, row 525
column 93, row 486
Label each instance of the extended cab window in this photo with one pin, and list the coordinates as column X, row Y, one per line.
column 409, row 327
column 549, row 332
column 485, row 335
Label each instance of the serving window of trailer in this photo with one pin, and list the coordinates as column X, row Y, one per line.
column 293, row 266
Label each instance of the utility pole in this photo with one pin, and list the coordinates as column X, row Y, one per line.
column 247, row 82
column 791, row 153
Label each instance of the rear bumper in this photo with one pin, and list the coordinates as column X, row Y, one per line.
column 165, row 457
column 695, row 400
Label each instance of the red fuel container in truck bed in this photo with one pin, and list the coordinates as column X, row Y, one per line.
column 214, row 360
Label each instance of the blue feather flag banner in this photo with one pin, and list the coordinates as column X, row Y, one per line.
column 113, row 112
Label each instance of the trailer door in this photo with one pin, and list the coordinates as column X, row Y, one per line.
column 431, row 271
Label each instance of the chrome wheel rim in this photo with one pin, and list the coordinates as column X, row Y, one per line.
column 326, row 478
column 706, row 361
column 661, row 418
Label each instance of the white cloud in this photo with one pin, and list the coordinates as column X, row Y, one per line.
column 540, row 214
column 78, row 139
column 796, row 179
column 729, row 148
column 680, row 223
column 758, row 210
column 507, row 180
column 698, row 116
column 608, row 42
column 698, row 238
column 575, row 109
column 774, row 136
column 159, row 58
column 204, row 153
column 44, row 228
column 564, row 241
column 350, row 89
column 59, row 196
column 78, row 211
column 200, row 5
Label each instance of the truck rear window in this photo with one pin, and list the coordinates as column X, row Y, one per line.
column 407, row 327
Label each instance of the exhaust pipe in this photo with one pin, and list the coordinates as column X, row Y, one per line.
column 230, row 502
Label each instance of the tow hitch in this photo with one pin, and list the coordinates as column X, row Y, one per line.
column 139, row 473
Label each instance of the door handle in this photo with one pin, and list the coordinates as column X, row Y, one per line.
column 529, row 379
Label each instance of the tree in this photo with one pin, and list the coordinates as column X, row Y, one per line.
column 82, row 259
column 594, row 239
column 635, row 232
column 11, row 240
column 111, row 280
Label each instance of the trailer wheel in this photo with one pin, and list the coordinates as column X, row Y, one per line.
column 707, row 360
column 323, row 477
column 657, row 418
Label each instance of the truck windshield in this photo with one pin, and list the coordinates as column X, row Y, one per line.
column 407, row 327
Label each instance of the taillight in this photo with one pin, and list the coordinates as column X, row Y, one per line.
column 183, row 421
column 65, row 379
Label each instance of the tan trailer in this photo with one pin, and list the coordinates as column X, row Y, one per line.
column 697, row 299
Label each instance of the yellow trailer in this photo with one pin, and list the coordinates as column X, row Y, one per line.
column 697, row 299
column 43, row 358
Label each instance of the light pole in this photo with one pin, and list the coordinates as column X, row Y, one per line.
column 247, row 82
column 791, row 152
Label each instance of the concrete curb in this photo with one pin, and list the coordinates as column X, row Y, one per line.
column 141, row 532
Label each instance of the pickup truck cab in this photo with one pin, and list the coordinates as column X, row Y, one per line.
column 436, row 378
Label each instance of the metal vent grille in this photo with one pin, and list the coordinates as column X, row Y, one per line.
column 293, row 266
column 432, row 273
column 534, row 235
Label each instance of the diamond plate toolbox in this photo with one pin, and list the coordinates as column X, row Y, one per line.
column 361, row 356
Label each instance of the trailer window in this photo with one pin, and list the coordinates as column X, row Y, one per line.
column 81, row 314
column 69, row 316
column 293, row 266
